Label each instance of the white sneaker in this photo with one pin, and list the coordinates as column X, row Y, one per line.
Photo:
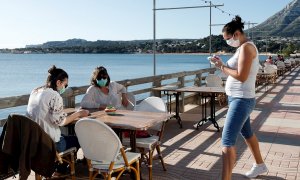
column 256, row 170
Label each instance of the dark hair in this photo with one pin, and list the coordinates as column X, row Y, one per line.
column 98, row 73
column 54, row 75
column 234, row 25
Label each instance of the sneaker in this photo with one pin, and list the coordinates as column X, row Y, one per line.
column 256, row 170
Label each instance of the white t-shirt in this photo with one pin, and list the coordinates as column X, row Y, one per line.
column 94, row 97
column 45, row 106
column 236, row 88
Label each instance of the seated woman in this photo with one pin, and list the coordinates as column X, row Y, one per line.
column 45, row 106
column 103, row 92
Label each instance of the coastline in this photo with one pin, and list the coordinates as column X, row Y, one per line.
column 207, row 54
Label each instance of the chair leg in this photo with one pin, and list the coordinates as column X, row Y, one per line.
column 161, row 157
column 72, row 166
column 150, row 163
column 138, row 173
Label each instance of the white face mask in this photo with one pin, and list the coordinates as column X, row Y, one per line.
column 233, row 43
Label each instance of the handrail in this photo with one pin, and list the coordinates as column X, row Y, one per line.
column 72, row 92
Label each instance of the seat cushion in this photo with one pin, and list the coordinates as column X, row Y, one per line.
column 147, row 143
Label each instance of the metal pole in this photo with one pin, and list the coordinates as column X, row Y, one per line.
column 176, row 8
column 209, row 29
column 154, row 39
column 248, row 29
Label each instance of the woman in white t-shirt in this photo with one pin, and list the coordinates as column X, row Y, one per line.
column 241, row 69
column 45, row 106
column 103, row 92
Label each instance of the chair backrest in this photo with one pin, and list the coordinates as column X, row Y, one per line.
column 153, row 104
column 132, row 101
column 280, row 64
column 98, row 141
column 270, row 69
column 213, row 80
column 287, row 62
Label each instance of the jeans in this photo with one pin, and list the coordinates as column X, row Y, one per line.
column 67, row 142
column 237, row 120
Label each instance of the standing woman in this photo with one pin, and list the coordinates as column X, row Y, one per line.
column 45, row 106
column 240, row 88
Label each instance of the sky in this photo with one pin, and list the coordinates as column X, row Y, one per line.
column 38, row 21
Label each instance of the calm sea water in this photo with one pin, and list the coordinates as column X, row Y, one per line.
column 20, row 73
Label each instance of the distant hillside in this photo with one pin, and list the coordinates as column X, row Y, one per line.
column 135, row 46
column 83, row 43
column 285, row 23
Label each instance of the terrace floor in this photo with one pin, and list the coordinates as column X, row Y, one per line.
column 196, row 154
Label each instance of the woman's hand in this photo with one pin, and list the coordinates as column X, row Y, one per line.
column 78, row 114
column 83, row 112
column 217, row 61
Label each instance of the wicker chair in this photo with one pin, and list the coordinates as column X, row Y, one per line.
column 288, row 64
column 40, row 143
column 213, row 80
column 272, row 71
column 103, row 150
column 280, row 68
column 67, row 156
column 148, row 145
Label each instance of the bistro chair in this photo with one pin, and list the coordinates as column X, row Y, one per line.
column 37, row 149
column 271, row 70
column 288, row 64
column 293, row 62
column 103, row 150
column 281, row 67
column 148, row 145
column 67, row 156
column 213, row 80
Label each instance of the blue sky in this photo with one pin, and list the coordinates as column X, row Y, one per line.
column 39, row 21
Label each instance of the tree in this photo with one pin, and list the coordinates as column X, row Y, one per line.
column 290, row 49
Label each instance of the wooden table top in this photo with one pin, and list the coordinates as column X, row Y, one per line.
column 203, row 89
column 165, row 88
column 126, row 119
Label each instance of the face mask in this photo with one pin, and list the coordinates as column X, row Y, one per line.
column 62, row 90
column 102, row 82
column 233, row 43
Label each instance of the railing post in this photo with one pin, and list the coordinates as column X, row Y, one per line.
column 198, row 80
column 156, row 83
column 212, row 71
column 69, row 98
column 181, row 103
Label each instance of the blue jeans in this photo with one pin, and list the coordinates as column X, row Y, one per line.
column 67, row 142
column 237, row 120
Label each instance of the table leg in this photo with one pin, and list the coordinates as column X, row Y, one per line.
column 132, row 134
column 177, row 109
column 213, row 111
column 203, row 110
column 169, row 96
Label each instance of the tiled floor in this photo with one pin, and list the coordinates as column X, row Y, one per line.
column 196, row 154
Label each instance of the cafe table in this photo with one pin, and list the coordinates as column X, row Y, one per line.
column 169, row 92
column 205, row 92
column 126, row 120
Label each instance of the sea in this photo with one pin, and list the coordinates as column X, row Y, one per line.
column 20, row 73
